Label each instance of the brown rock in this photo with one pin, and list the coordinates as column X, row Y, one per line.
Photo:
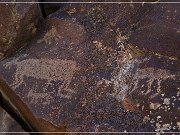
column 22, row 114
column 156, row 91
column 59, row 75
column 18, row 23
column 158, row 32
column 80, row 72
column 8, row 124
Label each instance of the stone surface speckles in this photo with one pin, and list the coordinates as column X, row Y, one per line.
column 156, row 92
column 18, row 24
column 83, row 70
column 8, row 124
column 158, row 32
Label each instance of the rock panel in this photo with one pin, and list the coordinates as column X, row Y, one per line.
column 80, row 71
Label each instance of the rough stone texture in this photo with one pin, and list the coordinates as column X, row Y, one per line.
column 82, row 72
column 159, row 31
column 8, row 124
column 156, row 91
column 18, row 23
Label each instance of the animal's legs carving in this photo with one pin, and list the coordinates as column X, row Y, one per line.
column 64, row 87
column 18, row 80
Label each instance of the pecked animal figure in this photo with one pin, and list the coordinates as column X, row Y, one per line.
column 45, row 69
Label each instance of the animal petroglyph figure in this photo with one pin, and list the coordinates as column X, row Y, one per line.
column 46, row 69
column 128, row 76
column 152, row 75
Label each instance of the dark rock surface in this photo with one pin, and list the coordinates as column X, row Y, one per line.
column 18, row 23
column 158, row 32
column 8, row 124
column 84, row 71
column 155, row 90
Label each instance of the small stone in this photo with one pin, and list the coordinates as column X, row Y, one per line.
column 167, row 101
column 154, row 106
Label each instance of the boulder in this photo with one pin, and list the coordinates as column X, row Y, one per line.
column 80, row 71
column 18, row 24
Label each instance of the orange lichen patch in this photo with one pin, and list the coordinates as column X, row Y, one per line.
column 128, row 104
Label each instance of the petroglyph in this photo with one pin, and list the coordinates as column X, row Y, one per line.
column 46, row 69
column 59, row 32
column 50, row 36
column 127, row 77
column 153, row 75
column 124, row 80
column 39, row 97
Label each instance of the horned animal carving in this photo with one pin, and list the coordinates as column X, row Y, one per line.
column 45, row 69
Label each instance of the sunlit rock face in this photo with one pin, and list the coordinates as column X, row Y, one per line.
column 18, row 23
column 85, row 70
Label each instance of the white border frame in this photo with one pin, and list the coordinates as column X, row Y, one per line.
column 110, row 2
